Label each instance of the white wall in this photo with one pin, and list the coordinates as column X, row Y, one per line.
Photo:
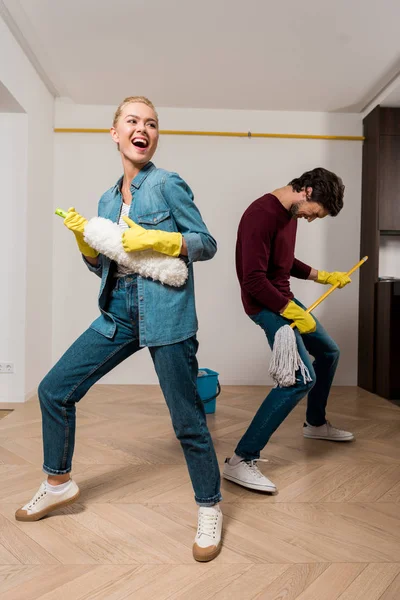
column 32, row 198
column 226, row 175
column 13, row 137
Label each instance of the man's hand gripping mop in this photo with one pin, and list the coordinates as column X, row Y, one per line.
column 104, row 236
column 286, row 359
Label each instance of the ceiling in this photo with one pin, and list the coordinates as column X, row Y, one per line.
column 261, row 54
column 392, row 98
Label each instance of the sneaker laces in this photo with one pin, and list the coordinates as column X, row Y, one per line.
column 207, row 523
column 38, row 496
column 331, row 428
column 252, row 466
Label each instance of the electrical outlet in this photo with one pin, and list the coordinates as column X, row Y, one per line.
column 6, row 367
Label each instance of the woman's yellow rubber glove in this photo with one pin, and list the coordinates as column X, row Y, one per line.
column 304, row 322
column 332, row 278
column 76, row 223
column 138, row 238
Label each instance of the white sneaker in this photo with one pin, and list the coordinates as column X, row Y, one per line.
column 247, row 474
column 327, row 432
column 44, row 502
column 207, row 543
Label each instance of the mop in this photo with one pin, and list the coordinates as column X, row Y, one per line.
column 104, row 236
column 286, row 359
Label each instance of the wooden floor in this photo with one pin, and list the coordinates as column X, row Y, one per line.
column 4, row 413
column 331, row 533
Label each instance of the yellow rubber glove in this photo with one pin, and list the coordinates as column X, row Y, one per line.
column 76, row 223
column 305, row 323
column 138, row 238
column 332, row 278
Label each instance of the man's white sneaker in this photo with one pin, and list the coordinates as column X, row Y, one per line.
column 327, row 432
column 207, row 544
column 247, row 474
column 45, row 501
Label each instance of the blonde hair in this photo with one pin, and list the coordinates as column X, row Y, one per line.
column 129, row 100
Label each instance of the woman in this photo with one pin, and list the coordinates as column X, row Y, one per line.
column 155, row 210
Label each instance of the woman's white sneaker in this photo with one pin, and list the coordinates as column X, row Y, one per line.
column 207, row 544
column 327, row 432
column 247, row 474
column 45, row 501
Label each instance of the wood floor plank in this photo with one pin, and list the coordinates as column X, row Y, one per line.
column 43, row 583
column 293, row 582
column 18, row 544
column 252, row 582
column 372, row 582
column 332, row 582
column 393, row 591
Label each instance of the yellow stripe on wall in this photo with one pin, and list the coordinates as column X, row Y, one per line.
column 249, row 134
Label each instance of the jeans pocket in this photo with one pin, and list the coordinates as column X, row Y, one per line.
column 105, row 325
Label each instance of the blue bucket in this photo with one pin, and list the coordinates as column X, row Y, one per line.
column 208, row 388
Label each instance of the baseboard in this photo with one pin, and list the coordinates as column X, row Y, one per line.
column 30, row 395
column 11, row 405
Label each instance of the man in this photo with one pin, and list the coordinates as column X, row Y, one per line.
column 265, row 261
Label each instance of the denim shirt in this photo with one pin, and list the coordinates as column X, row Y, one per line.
column 160, row 200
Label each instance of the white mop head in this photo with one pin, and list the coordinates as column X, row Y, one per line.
column 105, row 236
column 286, row 359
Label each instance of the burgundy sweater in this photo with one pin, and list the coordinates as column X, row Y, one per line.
column 265, row 256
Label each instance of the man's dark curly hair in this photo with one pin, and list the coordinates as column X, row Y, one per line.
column 327, row 188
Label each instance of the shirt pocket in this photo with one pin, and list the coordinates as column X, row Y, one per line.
column 156, row 220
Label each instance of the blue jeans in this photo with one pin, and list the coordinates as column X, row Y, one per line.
column 281, row 401
column 93, row 355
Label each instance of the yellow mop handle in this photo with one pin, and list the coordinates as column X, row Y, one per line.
column 317, row 302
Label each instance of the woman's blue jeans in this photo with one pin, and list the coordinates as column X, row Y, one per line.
column 92, row 355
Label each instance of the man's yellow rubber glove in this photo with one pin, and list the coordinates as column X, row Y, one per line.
column 138, row 238
column 305, row 323
column 332, row 278
column 76, row 223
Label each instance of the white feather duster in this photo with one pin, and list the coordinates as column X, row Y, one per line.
column 105, row 236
